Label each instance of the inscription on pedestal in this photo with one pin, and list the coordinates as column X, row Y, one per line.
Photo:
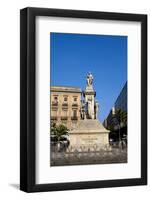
column 89, row 140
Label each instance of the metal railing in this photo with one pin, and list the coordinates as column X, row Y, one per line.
column 88, row 155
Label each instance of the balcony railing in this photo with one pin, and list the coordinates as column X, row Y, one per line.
column 54, row 103
column 53, row 117
column 65, row 104
column 74, row 118
column 75, row 105
column 64, row 118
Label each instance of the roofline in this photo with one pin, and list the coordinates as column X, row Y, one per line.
column 64, row 86
column 65, row 89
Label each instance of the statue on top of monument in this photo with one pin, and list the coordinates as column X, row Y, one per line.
column 89, row 79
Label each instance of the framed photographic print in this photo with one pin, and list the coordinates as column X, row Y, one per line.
column 83, row 99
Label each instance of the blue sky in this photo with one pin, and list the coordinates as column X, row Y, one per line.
column 105, row 56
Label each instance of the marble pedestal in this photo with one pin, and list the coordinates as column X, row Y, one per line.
column 89, row 133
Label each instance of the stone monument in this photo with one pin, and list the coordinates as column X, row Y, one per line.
column 89, row 131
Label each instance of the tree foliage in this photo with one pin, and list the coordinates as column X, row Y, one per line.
column 120, row 117
column 58, row 130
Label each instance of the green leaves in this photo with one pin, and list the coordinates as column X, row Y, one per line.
column 59, row 130
column 120, row 117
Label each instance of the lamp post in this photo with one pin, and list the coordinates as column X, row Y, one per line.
column 118, row 120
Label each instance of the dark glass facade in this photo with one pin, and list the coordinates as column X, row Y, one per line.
column 120, row 106
column 121, row 102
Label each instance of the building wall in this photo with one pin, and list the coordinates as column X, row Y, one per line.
column 121, row 102
column 65, row 105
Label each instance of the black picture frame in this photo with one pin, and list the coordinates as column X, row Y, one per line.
column 28, row 99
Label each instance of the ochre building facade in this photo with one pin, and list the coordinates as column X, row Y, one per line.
column 65, row 105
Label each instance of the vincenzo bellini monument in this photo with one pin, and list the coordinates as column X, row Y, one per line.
column 89, row 131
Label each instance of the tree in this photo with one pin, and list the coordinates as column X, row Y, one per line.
column 121, row 116
column 118, row 121
column 59, row 131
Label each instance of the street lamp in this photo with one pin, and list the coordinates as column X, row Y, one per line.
column 118, row 121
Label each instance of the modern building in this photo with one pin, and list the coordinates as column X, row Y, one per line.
column 65, row 105
column 120, row 105
column 121, row 101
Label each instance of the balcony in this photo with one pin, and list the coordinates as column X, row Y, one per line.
column 54, row 103
column 74, row 105
column 74, row 118
column 65, row 105
column 53, row 117
column 64, row 118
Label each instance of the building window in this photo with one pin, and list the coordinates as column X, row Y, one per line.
column 75, row 99
column 55, row 98
column 64, row 113
column 54, row 113
column 55, row 101
column 74, row 113
column 65, row 98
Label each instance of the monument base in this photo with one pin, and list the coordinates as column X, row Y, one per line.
column 89, row 133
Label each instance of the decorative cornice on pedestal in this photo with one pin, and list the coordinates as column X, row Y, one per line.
column 89, row 93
